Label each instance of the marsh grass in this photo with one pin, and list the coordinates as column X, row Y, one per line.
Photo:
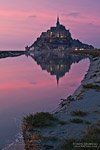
column 91, row 86
column 92, row 136
column 87, row 122
column 79, row 113
column 61, row 122
column 68, row 144
column 76, row 120
column 41, row 119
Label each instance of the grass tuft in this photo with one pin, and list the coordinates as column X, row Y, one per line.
column 68, row 144
column 63, row 122
column 79, row 113
column 91, row 86
column 76, row 120
column 41, row 119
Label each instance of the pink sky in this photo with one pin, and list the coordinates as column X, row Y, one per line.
column 22, row 21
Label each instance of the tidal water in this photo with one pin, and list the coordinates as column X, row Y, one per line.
column 25, row 88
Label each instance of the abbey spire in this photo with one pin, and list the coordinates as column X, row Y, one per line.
column 58, row 23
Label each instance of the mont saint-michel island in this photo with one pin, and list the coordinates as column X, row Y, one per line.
column 57, row 38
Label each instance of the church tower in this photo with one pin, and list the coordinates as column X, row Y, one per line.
column 58, row 23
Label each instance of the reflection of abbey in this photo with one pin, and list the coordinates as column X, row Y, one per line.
column 57, row 37
column 55, row 65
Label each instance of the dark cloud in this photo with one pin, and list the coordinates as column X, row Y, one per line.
column 33, row 83
column 91, row 24
column 74, row 84
column 32, row 16
column 72, row 14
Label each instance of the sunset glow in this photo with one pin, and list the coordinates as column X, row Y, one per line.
column 21, row 22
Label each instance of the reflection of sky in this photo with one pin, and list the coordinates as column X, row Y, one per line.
column 21, row 81
column 21, row 21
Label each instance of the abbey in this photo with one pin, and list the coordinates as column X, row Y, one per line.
column 57, row 37
column 59, row 32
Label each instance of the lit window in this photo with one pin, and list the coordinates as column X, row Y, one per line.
column 57, row 34
column 76, row 49
column 62, row 36
column 51, row 33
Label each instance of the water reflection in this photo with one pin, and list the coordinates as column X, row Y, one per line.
column 54, row 64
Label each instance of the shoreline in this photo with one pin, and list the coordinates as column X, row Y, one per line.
column 17, row 144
